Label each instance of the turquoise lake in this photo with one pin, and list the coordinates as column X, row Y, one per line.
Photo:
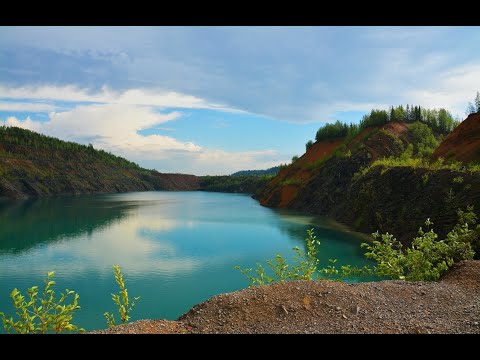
column 175, row 249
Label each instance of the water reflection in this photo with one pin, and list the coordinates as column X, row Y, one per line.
column 176, row 248
column 29, row 223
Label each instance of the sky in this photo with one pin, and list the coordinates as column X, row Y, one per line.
column 215, row 100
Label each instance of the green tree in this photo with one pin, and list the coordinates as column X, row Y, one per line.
column 445, row 121
column 474, row 107
column 332, row 131
column 392, row 115
column 423, row 138
column 308, row 145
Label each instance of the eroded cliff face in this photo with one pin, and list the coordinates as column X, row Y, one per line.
column 397, row 200
column 463, row 143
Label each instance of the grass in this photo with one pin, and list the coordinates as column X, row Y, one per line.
column 420, row 163
column 290, row 182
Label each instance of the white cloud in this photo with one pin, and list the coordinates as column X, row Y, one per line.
column 26, row 124
column 25, row 106
column 453, row 89
column 109, row 126
column 114, row 127
column 215, row 161
column 71, row 93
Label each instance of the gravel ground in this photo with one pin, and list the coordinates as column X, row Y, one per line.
column 451, row 305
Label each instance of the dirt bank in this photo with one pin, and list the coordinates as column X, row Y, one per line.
column 451, row 305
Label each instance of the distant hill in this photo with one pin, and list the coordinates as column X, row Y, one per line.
column 32, row 164
column 272, row 171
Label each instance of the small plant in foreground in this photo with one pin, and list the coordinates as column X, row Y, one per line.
column 303, row 267
column 42, row 314
column 125, row 306
column 427, row 258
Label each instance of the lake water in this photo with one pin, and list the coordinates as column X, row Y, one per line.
column 175, row 249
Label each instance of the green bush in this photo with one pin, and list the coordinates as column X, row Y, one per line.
column 423, row 138
column 458, row 180
column 290, row 182
column 427, row 258
column 125, row 306
column 42, row 314
column 303, row 268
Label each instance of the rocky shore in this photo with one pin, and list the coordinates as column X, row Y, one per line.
column 451, row 305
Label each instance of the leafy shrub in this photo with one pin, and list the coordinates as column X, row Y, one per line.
column 425, row 179
column 303, row 268
column 423, row 138
column 290, row 182
column 343, row 152
column 125, row 306
column 42, row 314
column 427, row 258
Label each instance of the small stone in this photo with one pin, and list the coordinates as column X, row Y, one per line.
column 338, row 308
column 357, row 310
column 344, row 316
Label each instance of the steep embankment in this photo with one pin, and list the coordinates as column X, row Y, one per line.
column 32, row 164
column 397, row 199
column 283, row 188
column 318, row 178
column 463, row 143
column 336, row 307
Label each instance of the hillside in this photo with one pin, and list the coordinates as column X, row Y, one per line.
column 32, row 164
column 248, row 184
column 271, row 171
column 463, row 143
column 357, row 181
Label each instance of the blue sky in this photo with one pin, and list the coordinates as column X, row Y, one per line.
column 214, row 100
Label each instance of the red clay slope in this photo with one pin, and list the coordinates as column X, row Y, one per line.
column 298, row 172
column 463, row 143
